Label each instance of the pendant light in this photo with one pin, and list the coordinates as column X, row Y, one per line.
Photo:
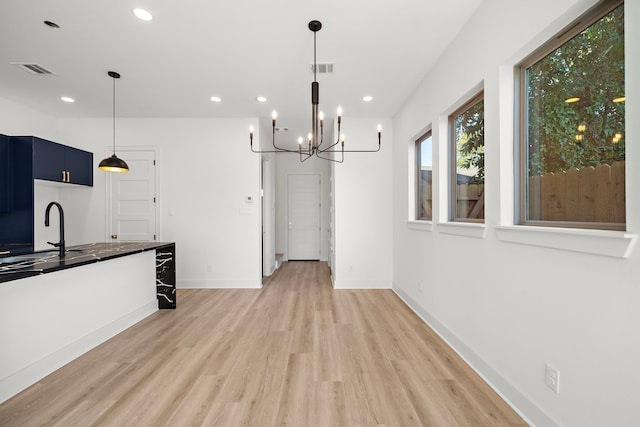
column 113, row 163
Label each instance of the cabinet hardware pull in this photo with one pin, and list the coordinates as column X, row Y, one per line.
column 68, row 176
column 64, row 177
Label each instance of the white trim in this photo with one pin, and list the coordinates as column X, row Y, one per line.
column 220, row 284
column 528, row 410
column 18, row 381
column 469, row 229
column 362, row 284
column 420, row 225
column 616, row 244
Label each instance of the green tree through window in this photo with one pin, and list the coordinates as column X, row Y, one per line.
column 576, row 112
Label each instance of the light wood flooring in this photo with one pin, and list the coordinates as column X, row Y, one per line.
column 295, row 353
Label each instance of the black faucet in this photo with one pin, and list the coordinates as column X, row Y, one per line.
column 60, row 244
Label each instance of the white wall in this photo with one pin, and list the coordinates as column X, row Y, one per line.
column 509, row 308
column 363, row 208
column 18, row 119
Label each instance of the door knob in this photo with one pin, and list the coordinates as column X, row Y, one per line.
column 114, row 236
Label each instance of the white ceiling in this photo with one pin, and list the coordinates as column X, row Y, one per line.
column 194, row 49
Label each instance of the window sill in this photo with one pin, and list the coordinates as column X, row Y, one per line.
column 420, row 225
column 616, row 244
column 463, row 229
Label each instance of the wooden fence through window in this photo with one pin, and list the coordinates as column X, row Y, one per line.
column 585, row 195
column 591, row 194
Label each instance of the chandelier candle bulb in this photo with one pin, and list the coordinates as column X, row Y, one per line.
column 251, row 134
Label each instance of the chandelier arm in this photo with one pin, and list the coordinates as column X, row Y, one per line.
column 329, row 158
column 306, row 157
column 328, row 149
column 351, row 151
column 277, row 149
column 334, row 144
column 273, row 151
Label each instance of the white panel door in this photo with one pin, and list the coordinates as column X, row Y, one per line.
column 303, row 216
column 133, row 198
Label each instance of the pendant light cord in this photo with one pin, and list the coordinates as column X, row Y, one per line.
column 114, row 116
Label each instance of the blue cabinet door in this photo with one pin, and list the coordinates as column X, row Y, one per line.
column 48, row 160
column 79, row 166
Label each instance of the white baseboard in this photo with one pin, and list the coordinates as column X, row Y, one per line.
column 528, row 410
column 362, row 284
column 219, row 284
column 18, row 381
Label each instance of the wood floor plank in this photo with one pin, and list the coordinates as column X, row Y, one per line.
column 295, row 353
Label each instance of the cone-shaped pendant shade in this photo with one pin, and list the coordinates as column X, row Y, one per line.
column 113, row 163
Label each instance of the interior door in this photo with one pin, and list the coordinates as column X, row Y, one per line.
column 303, row 216
column 133, row 198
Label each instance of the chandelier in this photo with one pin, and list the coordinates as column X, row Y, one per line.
column 314, row 145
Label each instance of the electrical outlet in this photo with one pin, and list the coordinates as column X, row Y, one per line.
column 552, row 378
column 210, row 268
column 420, row 286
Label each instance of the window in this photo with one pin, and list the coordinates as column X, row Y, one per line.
column 572, row 126
column 424, row 165
column 466, row 184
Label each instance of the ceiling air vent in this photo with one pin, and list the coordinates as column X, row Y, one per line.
column 33, row 68
column 324, row 67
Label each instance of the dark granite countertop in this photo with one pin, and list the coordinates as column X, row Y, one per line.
column 42, row 262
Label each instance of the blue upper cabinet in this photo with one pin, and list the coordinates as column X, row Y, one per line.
column 59, row 163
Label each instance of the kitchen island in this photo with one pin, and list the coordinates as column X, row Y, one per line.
column 53, row 310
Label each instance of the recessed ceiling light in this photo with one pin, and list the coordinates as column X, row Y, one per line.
column 216, row 99
column 51, row 24
column 67, row 99
column 142, row 14
column 261, row 99
column 367, row 98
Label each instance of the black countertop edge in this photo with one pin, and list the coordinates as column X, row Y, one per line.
column 43, row 262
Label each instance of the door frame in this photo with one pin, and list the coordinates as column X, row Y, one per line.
column 109, row 188
column 286, row 213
